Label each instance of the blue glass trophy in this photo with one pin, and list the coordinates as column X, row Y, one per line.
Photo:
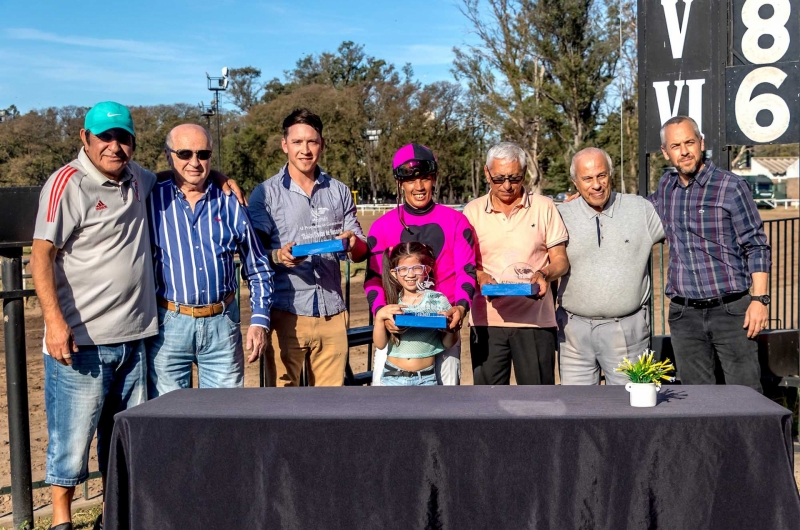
column 515, row 281
column 421, row 315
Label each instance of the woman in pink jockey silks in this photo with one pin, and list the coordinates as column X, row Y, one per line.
column 445, row 230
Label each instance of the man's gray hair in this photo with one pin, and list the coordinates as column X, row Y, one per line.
column 591, row 151
column 168, row 141
column 674, row 121
column 508, row 151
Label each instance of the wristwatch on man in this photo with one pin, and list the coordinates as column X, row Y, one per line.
column 764, row 299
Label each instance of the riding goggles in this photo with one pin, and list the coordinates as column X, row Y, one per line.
column 414, row 169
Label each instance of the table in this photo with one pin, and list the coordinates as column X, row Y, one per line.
column 453, row 458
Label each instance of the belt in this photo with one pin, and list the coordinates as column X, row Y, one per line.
column 705, row 303
column 406, row 373
column 198, row 311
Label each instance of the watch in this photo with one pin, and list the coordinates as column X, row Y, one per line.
column 764, row 299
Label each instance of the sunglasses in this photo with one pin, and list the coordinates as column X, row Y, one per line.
column 416, row 270
column 500, row 179
column 121, row 136
column 186, row 154
column 414, row 169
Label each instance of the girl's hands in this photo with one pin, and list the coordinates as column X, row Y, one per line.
column 388, row 312
column 455, row 318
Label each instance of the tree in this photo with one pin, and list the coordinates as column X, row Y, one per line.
column 540, row 73
column 579, row 56
column 619, row 136
column 504, row 74
column 244, row 87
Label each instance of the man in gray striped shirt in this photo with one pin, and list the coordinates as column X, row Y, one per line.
column 602, row 316
column 303, row 204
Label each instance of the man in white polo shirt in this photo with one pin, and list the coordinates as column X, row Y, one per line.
column 603, row 299
column 94, row 277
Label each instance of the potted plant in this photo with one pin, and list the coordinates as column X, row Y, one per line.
column 646, row 376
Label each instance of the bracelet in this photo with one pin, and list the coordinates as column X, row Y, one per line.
column 275, row 259
column 544, row 274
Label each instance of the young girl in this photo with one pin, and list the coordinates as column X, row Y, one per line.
column 406, row 270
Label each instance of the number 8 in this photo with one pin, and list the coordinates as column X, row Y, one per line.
column 775, row 26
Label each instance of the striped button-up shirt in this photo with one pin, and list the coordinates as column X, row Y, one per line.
column 282, row 213
column 715, row 233
column 193, row 251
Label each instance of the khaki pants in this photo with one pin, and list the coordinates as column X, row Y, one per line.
column 294, row 337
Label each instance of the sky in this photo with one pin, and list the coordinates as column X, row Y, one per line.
column 146, row 52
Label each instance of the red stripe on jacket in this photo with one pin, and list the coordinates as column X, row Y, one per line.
column 58, row 190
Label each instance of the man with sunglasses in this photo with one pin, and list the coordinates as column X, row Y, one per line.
column 603, row 316
column 514, row 227
column 303, row 204
column 91, row 267
column 443, row 229
column 195, row 230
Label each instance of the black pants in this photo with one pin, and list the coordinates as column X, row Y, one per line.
column 531, row 349
column 698, row 335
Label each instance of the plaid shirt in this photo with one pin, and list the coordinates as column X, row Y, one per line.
column 715, row 233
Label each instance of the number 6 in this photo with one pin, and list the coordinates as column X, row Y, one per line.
column 747, row 109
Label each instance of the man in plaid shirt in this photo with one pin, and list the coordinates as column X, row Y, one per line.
column 718, row 264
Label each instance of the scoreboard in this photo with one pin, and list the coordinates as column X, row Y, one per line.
column 732, row 65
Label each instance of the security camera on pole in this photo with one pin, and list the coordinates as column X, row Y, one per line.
column 217, row 85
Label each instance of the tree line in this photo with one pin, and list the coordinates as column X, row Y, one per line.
column 551, row 75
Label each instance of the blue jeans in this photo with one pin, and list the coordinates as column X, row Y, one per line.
column 698, row 335
column 425, row 377
column 213, row 343
column 83, row 398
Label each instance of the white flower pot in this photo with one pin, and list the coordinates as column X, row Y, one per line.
column 643, row 394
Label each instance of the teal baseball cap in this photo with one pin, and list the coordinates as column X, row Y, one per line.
column 108, row 115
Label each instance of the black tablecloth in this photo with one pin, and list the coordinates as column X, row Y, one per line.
column 453, row 458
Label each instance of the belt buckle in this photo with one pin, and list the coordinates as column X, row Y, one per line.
column 193, row 312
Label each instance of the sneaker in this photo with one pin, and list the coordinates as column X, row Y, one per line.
column 98, row 523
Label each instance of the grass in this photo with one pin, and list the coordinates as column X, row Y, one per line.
column 81, row 519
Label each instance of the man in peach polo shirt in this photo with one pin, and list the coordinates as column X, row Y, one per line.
column 514, row 227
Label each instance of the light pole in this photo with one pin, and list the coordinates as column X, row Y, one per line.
column 372, row 136
column 217, row 85
column 207, row 111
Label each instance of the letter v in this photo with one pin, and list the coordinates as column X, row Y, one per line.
column 677, row 34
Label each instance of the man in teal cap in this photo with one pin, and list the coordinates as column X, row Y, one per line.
column 94, row 277
column 93, row 269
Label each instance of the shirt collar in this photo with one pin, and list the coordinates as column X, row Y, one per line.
column 95, row 174
column 608, row 209
column 180, row 193
column 524, row 203
column 287, row 181
column 701, row 178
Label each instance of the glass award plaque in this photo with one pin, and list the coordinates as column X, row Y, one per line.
column 515, row 281
column 323, row 247
column 421, row 315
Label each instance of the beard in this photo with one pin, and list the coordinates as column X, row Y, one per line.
column 690, row 168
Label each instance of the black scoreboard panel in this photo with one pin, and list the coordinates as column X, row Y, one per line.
column 763, row 103
column 762, row 89
column 679, row 60
column 18, row 207
column 734, row 70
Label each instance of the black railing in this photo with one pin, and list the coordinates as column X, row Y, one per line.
column 783, row 278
